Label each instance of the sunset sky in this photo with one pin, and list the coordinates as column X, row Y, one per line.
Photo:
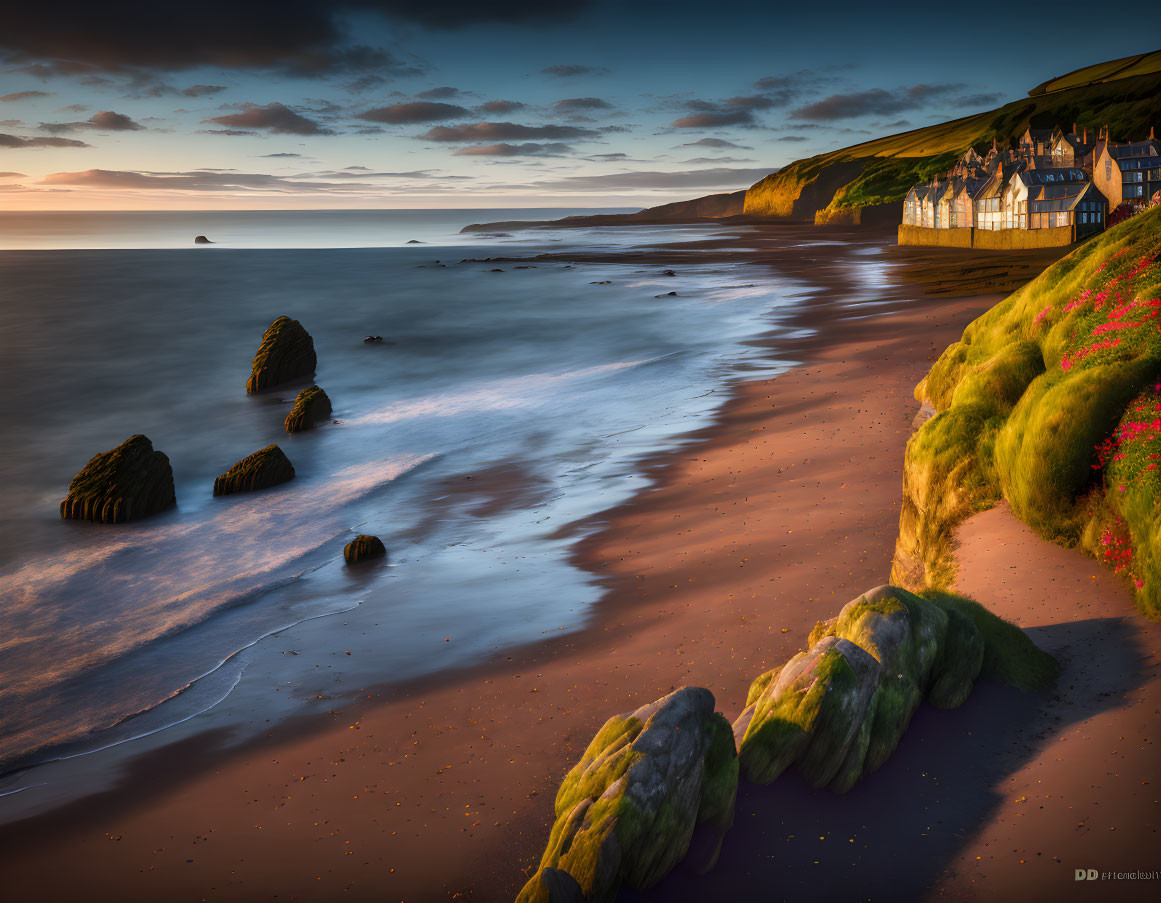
column 382, row 103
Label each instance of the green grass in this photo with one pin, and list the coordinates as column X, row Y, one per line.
column 1027, row 397
column 887, row 179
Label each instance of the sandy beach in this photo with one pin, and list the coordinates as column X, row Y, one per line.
column 752, row 530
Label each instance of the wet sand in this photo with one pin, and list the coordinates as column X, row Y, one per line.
column 754, row 529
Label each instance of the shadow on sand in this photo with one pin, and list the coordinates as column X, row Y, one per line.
column 895, row 835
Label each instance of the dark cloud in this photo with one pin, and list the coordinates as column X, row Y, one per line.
column 8, row 142
column 281, row 155
column 105, row 121
column 416, row 111
column 272, row 117
column 706, row 114
column 697, row 178
column 897, row 124
column 24, row 95
column 294, row 35
column 232, row 132
column 880, row 102
column 573, row 71
column 12, row 175
column 617, row 156
column 505, row 131
column 792, row 139
column 444, row 93
column 203, row 90
column 574, row 104
column 979, row 100
column 530, row 149
column 715, row 142
column 74, row 108
column 501, row 107
column 717, row 160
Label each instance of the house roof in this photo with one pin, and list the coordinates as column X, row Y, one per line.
column 1053, row 198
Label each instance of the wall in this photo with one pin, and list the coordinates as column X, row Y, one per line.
column 985, row 239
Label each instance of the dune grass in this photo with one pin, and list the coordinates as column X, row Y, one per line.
column 1045, row 402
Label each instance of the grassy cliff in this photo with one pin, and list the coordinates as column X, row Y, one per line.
column 1125, row 95
column 1052, row 401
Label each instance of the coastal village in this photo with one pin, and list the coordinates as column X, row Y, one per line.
column 1053, row 188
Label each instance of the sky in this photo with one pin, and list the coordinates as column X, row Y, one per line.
column 310, row 104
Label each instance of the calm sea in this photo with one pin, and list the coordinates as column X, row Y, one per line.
column 501, row 409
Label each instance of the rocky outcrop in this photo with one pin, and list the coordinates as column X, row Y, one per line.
column 311, row 407
column 202, row 240
column 837, row 711
column 363, row 548
column 129, row 482
column 286, row 352
column 267, row 467
column 627, row 811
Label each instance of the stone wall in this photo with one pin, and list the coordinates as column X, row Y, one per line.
column 987, row 239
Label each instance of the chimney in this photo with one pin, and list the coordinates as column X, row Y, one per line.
column 1074, row 128
column 1084, row 140
column 1151, row 133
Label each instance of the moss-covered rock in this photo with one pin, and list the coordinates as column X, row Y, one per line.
column 286, row 352
column 837, row 711
column 310, row 407
column 627, row 810
column 363, row 548
column 126, row 483
column 267, row 467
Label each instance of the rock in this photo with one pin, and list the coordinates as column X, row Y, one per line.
column 364, row 548
column 497, row 270
column 311, row 406
column 669, row 273
column 415, row 242
column 202, row 240
column 627, row 810
column 267, row 467
column 129, row 482
column 286, row 352
column 373, row 340
column 838, row 710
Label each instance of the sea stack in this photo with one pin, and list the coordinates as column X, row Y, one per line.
column 364, row 548
column 202, row 240
column 129, row 482
column 286, row 352
column 265, row 468
column 311, row 406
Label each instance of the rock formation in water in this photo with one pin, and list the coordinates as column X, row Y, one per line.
column 202, row 240
column 627, row 811
column 311, row 406
column 837, row 711
column 129, row 482
column 286, row 352
column 363, row 548
column 267, row 467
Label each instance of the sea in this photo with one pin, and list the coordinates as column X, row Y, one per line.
column 500, row 416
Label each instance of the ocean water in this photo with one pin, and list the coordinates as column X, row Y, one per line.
column 502, row 409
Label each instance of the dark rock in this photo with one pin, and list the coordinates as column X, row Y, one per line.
column 202, row 240
column 626, row 812
column 129, row 482
column 415, row 242
column 286, row 352
column 373, row 340
column 605, row 282
column 667, row 295
column 669, row 273
column 265, row 468
column 311, row 406
column 497, row 270
column 363, row 548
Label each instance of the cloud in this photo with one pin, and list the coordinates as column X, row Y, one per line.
column 296, row 35
column 444, row 93
column 215, row 180
column 501, row 107
column 203, row 90
column 12, row 175
column 74, row 108
column 792, row 138
column 416, row 111
column 574, row 104
column 697, row 178
column 105, row 121
column 732, row 111
column 704, row 160
column 273, row 117
column 281, row 155
column 232, row 132
column 505, row 131
column 715, row 142
column 573, row 71
column 24, row 95
column 880, row 102
column 13, row 141
column 531, row 149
